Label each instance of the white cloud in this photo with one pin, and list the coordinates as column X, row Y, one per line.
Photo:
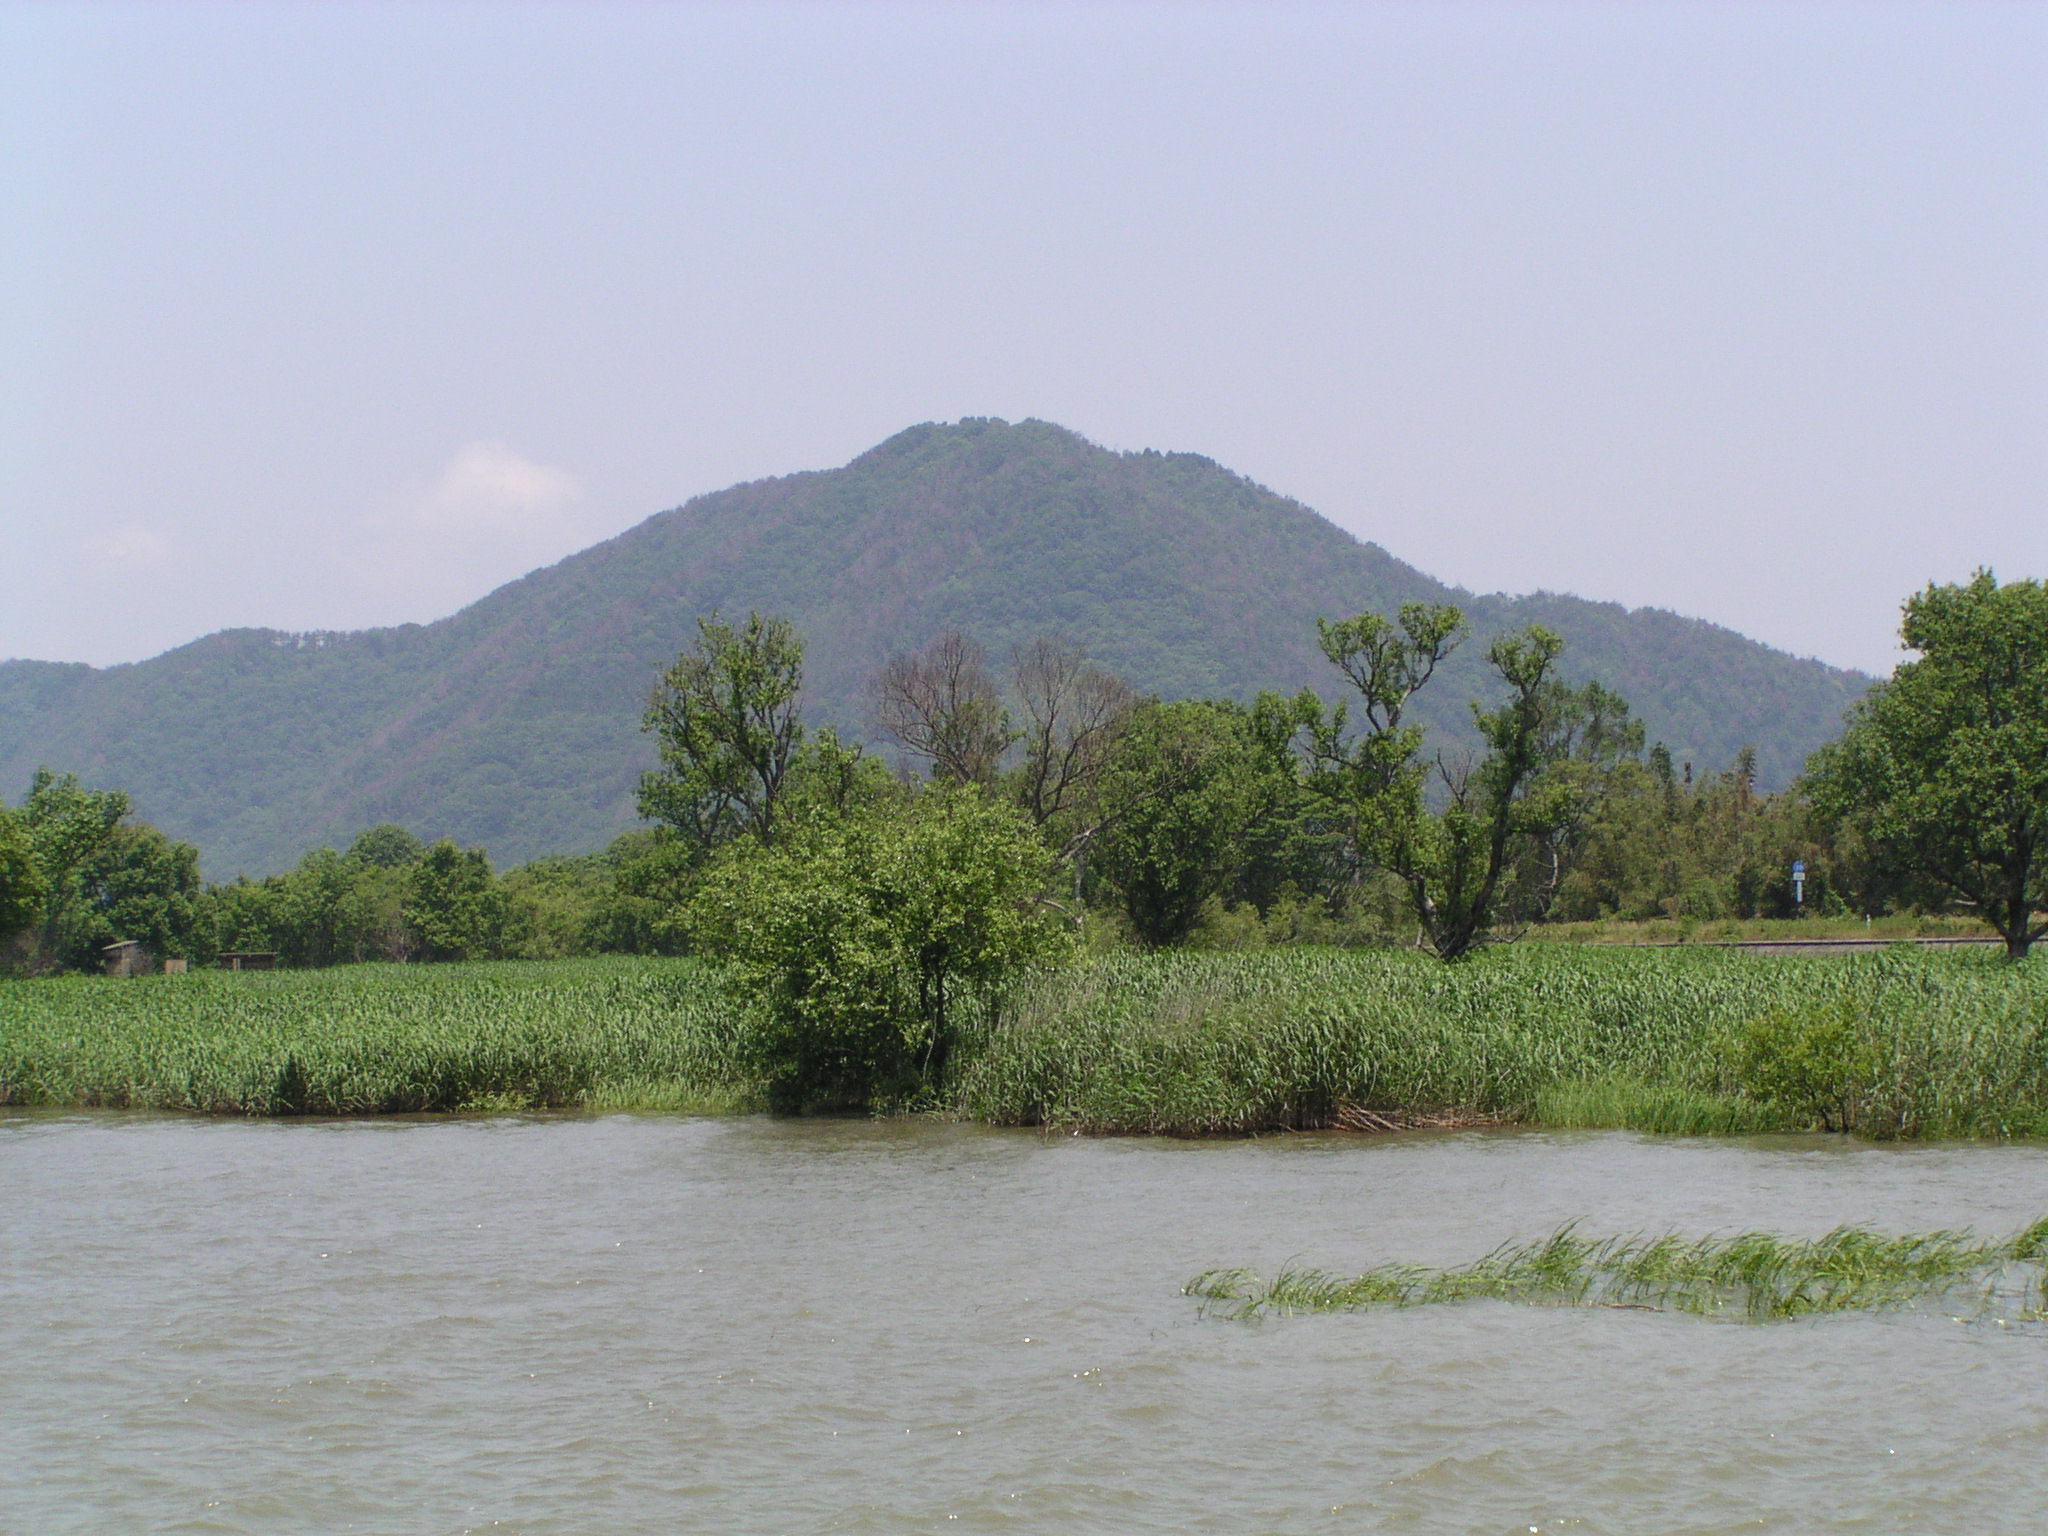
column 133, row 544
column 489, row 515
column 489, row 488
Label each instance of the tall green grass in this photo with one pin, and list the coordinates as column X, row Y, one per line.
column 1672, row 1040
column 1758, row 1274
column 376, row 1039
column 1735, row 930
column 1192, row 1044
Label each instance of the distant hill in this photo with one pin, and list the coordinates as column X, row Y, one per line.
column 515, row 723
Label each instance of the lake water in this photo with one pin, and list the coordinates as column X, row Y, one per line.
column 640, row 1324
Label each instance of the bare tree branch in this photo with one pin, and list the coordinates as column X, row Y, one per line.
column 1073, row 713
column 942, row 704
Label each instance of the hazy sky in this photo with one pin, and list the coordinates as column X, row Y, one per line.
column 322, row 316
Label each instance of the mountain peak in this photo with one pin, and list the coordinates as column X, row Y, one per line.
column 515, row 723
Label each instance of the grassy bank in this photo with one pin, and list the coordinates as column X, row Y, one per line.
column 375, row 1039
column 1929, row 1044
column 1692, row 1041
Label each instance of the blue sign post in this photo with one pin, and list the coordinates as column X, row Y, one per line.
column 1799, row 883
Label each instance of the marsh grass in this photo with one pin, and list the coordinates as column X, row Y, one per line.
column 1621, row 1103
column 1937, row 1044
column 377, row 1039
column 1675, row 1041
column 1757, row 1275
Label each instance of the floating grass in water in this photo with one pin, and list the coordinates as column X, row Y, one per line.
column 1756, row 1274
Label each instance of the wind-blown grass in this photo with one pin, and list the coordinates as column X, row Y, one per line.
column 1186, row 1044
column 376, row 1039
column 1945, row 1044
column 1757, row 1274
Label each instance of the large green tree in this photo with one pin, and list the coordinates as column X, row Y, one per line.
column 455, row 905
column 1477, row 856
column 1945, row 765
column 1177, row 794
column 726, row 719
column 142, row 885
column 21, row 877
column 385, row 846
column 1461, row 865
column 1377, row 775
column 68, row 826
column 326, row 909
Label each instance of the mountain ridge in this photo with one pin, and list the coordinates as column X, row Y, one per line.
column 514, row 722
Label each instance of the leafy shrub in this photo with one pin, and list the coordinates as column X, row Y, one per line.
column 866, row 942
column 1819, row 1061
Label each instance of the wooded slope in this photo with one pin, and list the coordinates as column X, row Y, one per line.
column 515, row 723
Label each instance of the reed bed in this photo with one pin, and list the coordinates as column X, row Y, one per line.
column 1203, row 1044
column 376, row 1039
column 1758, row 1275
column 1929, row 1044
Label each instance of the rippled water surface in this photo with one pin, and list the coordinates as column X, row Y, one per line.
column 629, row 1324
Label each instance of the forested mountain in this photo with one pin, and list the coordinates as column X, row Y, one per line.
column 515, row 723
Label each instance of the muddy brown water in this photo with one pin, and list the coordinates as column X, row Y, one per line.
column 634, row 1324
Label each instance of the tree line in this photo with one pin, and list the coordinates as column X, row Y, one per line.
column 1286, row 820
column 78, row 873
column 1135, row 819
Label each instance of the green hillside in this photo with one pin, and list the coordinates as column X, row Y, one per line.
column 514, row 723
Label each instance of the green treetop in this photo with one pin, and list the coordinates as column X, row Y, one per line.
column 725, row 717
column 1945, row 766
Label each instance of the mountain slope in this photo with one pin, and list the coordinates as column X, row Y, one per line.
column 514, row 723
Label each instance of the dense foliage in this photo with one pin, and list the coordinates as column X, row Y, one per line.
column 1179, row 790
column 1945, row 766
column 868, row 941
column 1656, row 843
column 86, row 876
column 726, row 719
column 1178, row 822
column 21, row 876
column 387, row 897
